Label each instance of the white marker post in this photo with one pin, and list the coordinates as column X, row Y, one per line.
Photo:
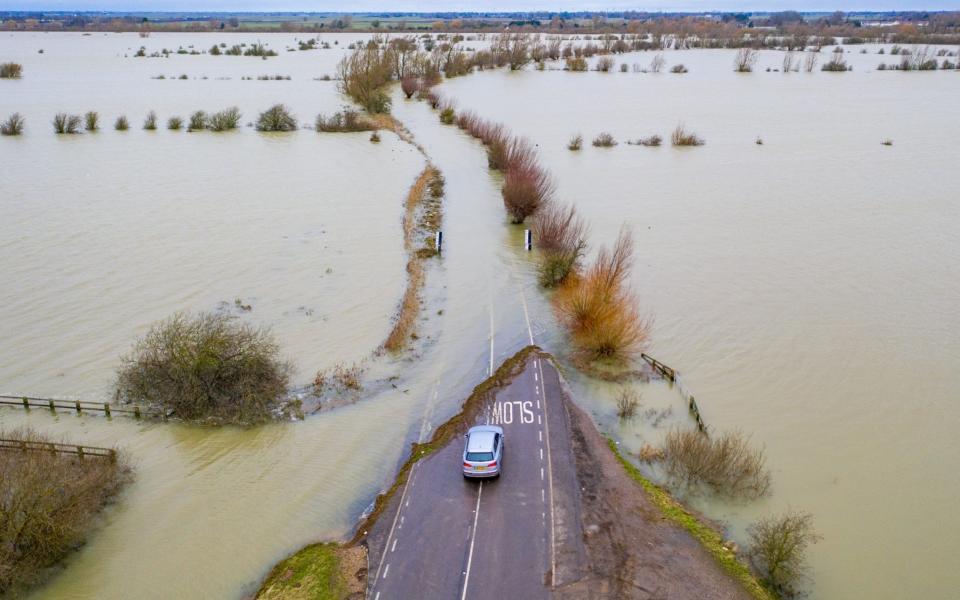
column 438, row 242
column 527, row 240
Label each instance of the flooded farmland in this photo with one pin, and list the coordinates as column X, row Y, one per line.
column 806, row 287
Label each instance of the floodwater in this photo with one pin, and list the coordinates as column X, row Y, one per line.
column 804, row 287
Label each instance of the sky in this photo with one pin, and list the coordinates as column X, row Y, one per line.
column 477, row 5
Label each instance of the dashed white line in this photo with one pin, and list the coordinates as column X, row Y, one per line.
column 540, row 432
column 538, row 420
column 395, row 519
column 538, row 405
column 543, row 495
column 541, row 453
column 541, row 473
column 385, row 571
column 473, row 538
column 394, row 547
column 535, row 378
column 377, row 597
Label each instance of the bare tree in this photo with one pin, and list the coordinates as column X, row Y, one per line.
column 789, row 61
column 745, row 59
column 810, row 62
column 657, row 64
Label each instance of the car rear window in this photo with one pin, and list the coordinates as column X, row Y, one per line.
column 479, row 456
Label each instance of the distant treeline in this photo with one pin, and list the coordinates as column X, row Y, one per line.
column 901, row 27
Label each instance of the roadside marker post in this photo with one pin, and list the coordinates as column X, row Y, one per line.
column 527, row 240
column 438, row 242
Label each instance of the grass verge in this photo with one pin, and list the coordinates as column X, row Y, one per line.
column 318, row 572
column 706, row 535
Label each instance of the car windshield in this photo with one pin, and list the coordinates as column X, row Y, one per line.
column 479, row 456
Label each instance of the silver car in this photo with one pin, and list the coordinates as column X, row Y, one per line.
column 483, row 452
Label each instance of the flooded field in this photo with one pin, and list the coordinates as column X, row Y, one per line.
column 806, row 288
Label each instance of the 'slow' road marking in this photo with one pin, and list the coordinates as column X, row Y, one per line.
column 473, row 538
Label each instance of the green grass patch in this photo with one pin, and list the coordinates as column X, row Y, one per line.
column 313, row 572
column 708, row 537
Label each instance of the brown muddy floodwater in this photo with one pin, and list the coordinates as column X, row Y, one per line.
column 806, row 288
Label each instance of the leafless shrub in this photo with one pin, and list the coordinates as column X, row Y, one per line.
column 410, row 86
column 339, row 378
column 68, row 124
column 121, row 124
column 604, row 64
column 745, row 60
column 575, row 143
column 576, row 63
column 810, row 61
column 604, row 140
column 48, row 503
column 150, row 123
column 678, row 68
column 725, row 463
column 13, row 125
column 599, row 310
column 225, row 120
column 559, row 235
column 790, row 61
column 198, row 121
column 276, row 118
column 777, row 550
column 649, row 453
column 206, row 367
column 11, row 70
column 343, row 121
column 628, row 400
column 526, row 188
column 653, row 140
column 682, row 137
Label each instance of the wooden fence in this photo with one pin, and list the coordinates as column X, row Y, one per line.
column 53, row 404
column 79, row 451
column 673, row 376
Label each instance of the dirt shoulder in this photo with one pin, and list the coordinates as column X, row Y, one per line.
column 640, row 542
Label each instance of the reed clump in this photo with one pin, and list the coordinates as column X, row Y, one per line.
column 560, row 236
column 682, row 137
column 13, row 125
column 150, row 123
column 66, row 124
column 724, row 463
column 48, row 505
column 225, row 120
column 276, row 118
column 599, row 309
column 344, row 121
column 206, row 367
column 91, row 121
column 447, row 113
column 11, row 70
column 121, row 124
column 628, row 401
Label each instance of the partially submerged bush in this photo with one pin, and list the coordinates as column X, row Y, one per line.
column 447, row 114
column 13, row 125
column 682, row 137
column 225, row 120
column 150, row 123
column 276, row 118
column 526, row 188
column 48, row 502
column 576, row 63
column 652, row 141
column 64, row 123
column 575, row 143
column 559, row 234
column 837, row 64
column 121, row 124
column 11, row 70
column 343, row 121
column 599, row 310
column 777, row 550
column 409, row 85
column 604, row 140
column 175, row 123
column 206, row 367
column 745, row 60
column 724, row 464
column 628, row 400
column 678, row 68
column 198, row 121
column 91, row 121
column 363, row 75
column 604, row 64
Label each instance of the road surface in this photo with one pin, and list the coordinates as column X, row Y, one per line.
column 447, row 537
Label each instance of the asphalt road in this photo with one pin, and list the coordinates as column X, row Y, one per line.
column 512, row 537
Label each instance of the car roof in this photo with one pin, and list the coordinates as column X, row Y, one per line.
column 480, row 439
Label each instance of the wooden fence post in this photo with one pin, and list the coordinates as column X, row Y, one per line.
column 78, row 406
column 80, row 452
column 26, row 403
column 136, row 410
column 106, row 408
column 52, row 407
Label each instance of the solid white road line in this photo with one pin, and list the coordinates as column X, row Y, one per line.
column 526, row 315
column 396, row 517
column 473, row 538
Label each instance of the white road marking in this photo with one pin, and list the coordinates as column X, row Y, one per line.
column 473, row 538
column 395, row 519
column 553, row 530
column 541, row 453
column 394, row 547
column 385, row 571
column 538, row 420
column 401, row 521
column 526, row 315
column 538, row 405
column 535, row 376
column 543, row 495
column 541, row 473
column 537, row 389
column 377, row 597
column 541, row 435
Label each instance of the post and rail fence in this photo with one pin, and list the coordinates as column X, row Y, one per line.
column 673, row 376
column 28, row 402
column 79, row 451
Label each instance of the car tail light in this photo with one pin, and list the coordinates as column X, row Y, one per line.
column 493, row 464
column 467, row 464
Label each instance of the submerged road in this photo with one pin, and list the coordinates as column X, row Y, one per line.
column 447, row 537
